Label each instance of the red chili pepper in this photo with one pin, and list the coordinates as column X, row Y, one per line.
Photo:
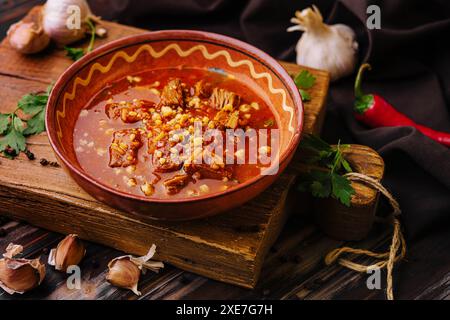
column 376, row 112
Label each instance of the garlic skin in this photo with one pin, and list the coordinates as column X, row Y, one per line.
column 125, row 271
column 69, row 252
column 28, row 36
column 20, row 275
column 55, row 19
column 327, row 47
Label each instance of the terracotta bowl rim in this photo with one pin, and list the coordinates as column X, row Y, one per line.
column 192, row 35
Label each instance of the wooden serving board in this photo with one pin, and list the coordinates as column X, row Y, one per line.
column 229, row 247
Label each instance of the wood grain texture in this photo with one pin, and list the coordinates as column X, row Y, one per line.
column 230, row 247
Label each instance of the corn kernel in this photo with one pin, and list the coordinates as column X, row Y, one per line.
column 255, row 105
column 244, row 108
column 166, row 111
column 148, row 189
column 131, row 182
column 204, row 188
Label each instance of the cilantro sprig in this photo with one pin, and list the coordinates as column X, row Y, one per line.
column 326, row 179
column 304, row 81
column 14, row 130
column 77, row 53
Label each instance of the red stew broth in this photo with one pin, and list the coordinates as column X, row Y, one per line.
column 93, row 133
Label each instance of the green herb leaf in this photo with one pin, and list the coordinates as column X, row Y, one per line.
column 342, row 189
column 14, row 129
column 304, row 80
column 321, row 184
column 305, row 95
column 13, row 139
column 346, row 165
column 327, row 181
column 32, row 104
column 5, row 119
column 74, row 53
column 36, row 124
column 18, row 124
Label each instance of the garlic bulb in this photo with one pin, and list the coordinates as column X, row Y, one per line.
column 28, row 36
column 69, row 252
column 58, row 15
column 19, row 275
column 328, row 47
column 125, row 271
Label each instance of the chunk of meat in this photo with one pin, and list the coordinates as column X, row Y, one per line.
column 129, row 115
column 112, row 110
column 207, row 171
column 124, row 148
column 227, row 119
column 176, row 183
column 201, row 89
column 172, row 94
column 221, row 98
column 163, row 162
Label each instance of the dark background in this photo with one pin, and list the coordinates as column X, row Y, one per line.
column 411, row 69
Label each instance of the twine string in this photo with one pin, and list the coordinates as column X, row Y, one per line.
column 397, row 249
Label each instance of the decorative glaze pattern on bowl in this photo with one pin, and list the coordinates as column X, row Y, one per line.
column 169, row 49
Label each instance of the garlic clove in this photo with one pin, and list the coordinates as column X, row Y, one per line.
column 28, row 36
column 124, row 273
column 19, row 275
column 70, row 251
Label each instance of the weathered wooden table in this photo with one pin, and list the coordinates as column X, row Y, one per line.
column 293, row 268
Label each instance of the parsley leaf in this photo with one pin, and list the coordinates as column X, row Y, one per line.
column 36, row 124
column 304, row 80
column 74, row 53
column 325, row 180
column 4, row 122
column 32, row 104
column 14, row 138
column 14, row 130
column 321, row 185
column 342, row 190
column 18, row 124
column 305, row 95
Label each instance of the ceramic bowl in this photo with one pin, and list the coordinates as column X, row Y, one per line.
column 168, row 49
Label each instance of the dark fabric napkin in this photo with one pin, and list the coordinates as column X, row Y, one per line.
column 410, row 56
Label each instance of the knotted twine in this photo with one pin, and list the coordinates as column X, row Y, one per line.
column 397, row 248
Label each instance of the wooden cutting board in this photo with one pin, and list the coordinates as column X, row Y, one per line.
column 229, row 247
